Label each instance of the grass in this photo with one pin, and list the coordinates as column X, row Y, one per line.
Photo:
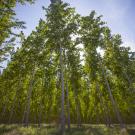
column 45, row 130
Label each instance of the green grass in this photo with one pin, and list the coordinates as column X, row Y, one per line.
column 45, row 130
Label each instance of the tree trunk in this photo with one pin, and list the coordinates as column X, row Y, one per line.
column 41, row 104
column 113, row 101
column 14, row 101
column 77, row 109
column 24, row 114
column 62, row 94
column 68, row 108
column 4, row 107
column 29, row 99
column 129, row 81
column 109, row 117
column 40, row 114
column 104, row 108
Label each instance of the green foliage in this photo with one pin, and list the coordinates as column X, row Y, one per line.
column 32, row 79
column 8, row 23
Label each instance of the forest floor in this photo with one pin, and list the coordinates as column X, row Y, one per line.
column 47, row 130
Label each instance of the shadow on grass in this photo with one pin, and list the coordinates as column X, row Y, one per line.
column 85, row 131
column 131, row 131
column 50, row 130
column 96, row 131
column 6, row 129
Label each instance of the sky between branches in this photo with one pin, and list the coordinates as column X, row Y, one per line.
column 119, row 15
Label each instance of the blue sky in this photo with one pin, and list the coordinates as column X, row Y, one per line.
column 119, row 15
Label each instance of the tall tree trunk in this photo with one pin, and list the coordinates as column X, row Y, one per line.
column 40, row 114
column 4, row 107
column 29, row 99
column 68, row 108
column 41, row 104
column 24, row 114
column 130, row 85
column 109, row 116
column 62, row 94
column 115, row 107
column 14, row 101
column 129, row 81
column 77, row 109
column 104, row 108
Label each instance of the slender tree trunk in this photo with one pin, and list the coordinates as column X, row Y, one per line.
column 109, row 117
column 97, row 116
column 104, row 108
column 12, row 109
column 128, row 78
column 29, row 99
column 68, row 107
column 4, row 107
column 113, row 101
column 62, row 94
column 77, row 110
column 129, row 81
column 41, row 104
column 14, row 101
column 40, row 114
column 24, row 114
column 130, row 85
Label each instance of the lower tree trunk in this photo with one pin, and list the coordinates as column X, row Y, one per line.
column 109, row 117
column 129, row 81
column 2, row 115
column 3, row 110
column 40, row 115
column 78, row 111
column 14, row 101
column 29, row 99
column 102, row 104
column 113, row 102
column 104, row 108
column 62, row 95
column 24, row 114
column 68, row 108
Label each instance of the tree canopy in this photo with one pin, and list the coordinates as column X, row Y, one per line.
column 60, row 75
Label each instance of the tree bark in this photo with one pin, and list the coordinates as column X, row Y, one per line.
column 115, row 107
column 129, row 81
column 77, row 109
column 40, row 114
column 14, row 101
column 62, row 94
column 68, row 107
column 29, row 98
column 104, row 108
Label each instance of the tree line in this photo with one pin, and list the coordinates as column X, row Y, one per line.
column 71, row 69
